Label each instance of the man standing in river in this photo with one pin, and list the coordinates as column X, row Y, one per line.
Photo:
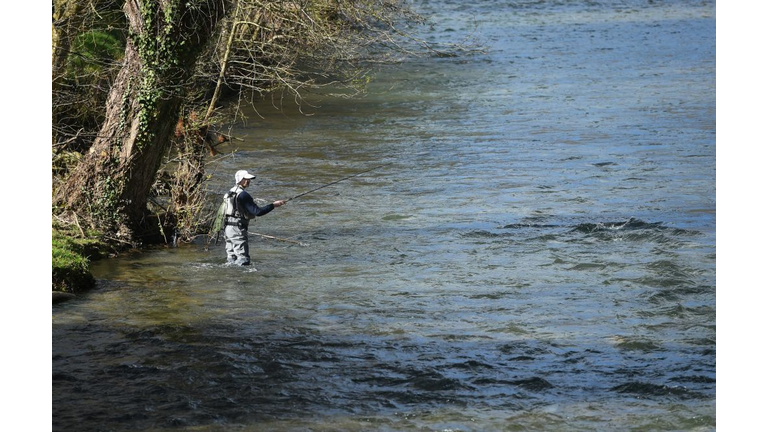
column 243, row 210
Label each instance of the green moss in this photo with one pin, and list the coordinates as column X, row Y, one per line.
column 70, row 264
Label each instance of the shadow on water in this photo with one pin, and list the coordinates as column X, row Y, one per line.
column 207, row 374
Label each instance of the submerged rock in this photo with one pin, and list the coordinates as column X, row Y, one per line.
column 59, row 296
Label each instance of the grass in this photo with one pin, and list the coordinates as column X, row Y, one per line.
column 71, row 260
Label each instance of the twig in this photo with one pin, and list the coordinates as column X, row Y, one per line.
column 231, row 137
column 82, row 233
column 66, row 142
column 224, row 64
column 154, row 201
column 62, row 220
column 225, row 156
column 160, row 224
column 119, row 240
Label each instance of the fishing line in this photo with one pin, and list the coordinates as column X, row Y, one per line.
column 337, row 181
column 308, row 192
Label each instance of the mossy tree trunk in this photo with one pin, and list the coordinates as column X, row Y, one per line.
column 112, row 182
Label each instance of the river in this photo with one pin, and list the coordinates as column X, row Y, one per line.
column 538, row 254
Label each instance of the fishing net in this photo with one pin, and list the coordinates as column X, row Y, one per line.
column 218, row 220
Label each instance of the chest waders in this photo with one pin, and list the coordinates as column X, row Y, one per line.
column 236, row 230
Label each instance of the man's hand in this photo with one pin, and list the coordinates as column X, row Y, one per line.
column 278, row 203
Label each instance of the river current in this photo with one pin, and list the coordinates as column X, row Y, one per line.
column 538, row 254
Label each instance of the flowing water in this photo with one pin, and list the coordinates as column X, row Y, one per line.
column 539, row 254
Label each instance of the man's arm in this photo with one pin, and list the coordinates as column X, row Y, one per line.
column 252, row 209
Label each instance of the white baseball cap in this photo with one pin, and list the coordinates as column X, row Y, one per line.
column 243, row 174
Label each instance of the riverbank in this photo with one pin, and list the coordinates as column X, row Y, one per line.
column 72, row 253
column 74, row 249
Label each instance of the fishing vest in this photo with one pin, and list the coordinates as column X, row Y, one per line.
column 234, row 214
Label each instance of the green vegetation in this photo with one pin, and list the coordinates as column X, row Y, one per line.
column 89, row 51
column 71, row 258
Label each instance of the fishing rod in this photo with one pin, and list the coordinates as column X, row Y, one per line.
column 337, row 181
column 308, row 192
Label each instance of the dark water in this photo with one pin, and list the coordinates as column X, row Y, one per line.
column 540, row 254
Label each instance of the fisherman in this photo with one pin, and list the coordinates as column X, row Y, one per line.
column 236, row 224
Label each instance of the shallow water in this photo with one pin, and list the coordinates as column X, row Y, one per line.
column 540, row 254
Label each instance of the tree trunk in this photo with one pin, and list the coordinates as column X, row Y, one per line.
column 112, row 182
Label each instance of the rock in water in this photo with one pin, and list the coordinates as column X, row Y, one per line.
column 59, row 296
